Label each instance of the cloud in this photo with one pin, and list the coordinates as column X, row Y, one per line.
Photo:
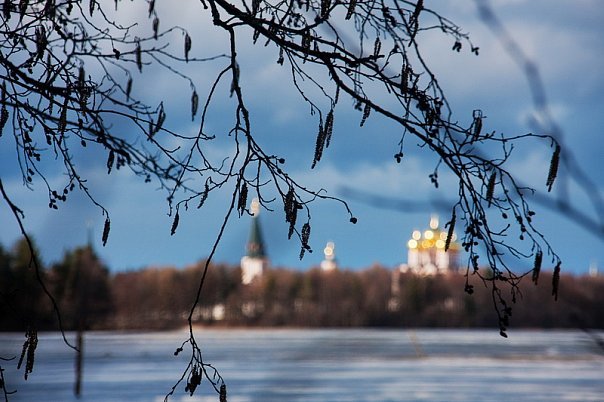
column 556, row 111
column 564, row 39
column 531, row 167
column 552, row 34
column 407, row 180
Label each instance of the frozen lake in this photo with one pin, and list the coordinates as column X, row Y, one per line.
column 321, row 365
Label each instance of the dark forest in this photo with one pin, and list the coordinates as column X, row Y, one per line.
column 158, row 298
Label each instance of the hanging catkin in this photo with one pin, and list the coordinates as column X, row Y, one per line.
column 553, row 168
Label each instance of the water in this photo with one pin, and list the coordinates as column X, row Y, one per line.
column 322, row 365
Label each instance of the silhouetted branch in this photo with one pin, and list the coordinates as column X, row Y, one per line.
column 564, row 209
column 563, row 203
column 33, row 262
column 67, row 81
column 5, row 391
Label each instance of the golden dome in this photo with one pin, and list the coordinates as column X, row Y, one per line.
column 431, row 238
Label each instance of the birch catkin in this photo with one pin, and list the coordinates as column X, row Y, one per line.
column 491, row 188
column 553, row 168
column 537, row 266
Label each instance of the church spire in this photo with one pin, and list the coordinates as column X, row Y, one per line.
column 255, row 244
column 255, row 261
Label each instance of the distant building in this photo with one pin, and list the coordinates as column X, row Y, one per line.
column 255, row 262
column 593, row 269
column 426, row 253
column 329, row 262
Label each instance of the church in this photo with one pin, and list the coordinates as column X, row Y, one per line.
column 255, row 262
column 426, row 254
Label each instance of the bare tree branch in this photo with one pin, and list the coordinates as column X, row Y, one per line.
column 67, row 82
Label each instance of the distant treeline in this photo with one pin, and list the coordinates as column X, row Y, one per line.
column 160, row 298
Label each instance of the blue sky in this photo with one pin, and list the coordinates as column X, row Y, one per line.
column 564, row 38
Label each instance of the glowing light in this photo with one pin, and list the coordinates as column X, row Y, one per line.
column 255, row 207
column 412, row 243
column 329, row 249
column 428, row 234
column 416, row 235
column 440, row 243
column 443, row 236
column 434, row 222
